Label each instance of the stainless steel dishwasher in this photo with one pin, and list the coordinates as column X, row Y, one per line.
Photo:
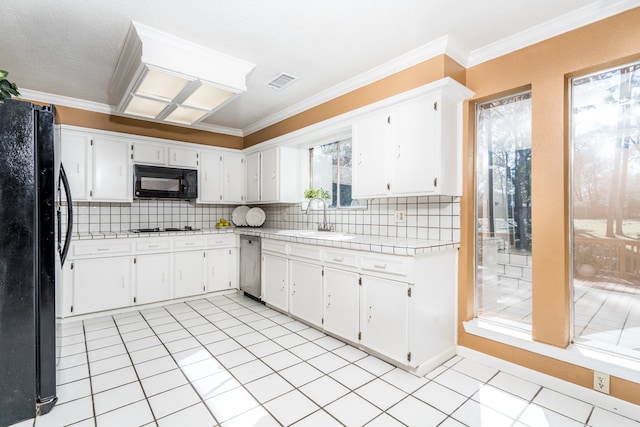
column 250, row 271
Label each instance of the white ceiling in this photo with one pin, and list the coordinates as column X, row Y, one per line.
column 70, row 47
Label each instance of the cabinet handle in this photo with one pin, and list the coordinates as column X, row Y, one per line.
column 294, row 289
column 103, row 249
column 282, row 285
column 398, row 152
column 338, row 259
column 206, row 176
column 383, row 266
column 77, row 167
column 189, row 244
column 370, row 313
column 180, row 274
column 228, row 177
column 153, row 246
column 328, row 300
column 360, row 158
column 120, row 170
column 158, row 154
column 175, row 158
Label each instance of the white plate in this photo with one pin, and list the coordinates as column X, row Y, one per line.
column 238, row 217
column 255, row 217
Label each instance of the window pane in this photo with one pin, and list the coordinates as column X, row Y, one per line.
column 503, row 203
column 605, row 120
column 345, row 169
column 324, row 169
column 331, row 170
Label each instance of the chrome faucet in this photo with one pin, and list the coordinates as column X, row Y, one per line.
column 323, row 226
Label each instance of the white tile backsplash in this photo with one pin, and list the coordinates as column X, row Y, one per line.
column 435, row 217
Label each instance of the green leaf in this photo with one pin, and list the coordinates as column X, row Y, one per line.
column 3, row 74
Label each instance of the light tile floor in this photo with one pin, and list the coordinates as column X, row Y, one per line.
column 229, row 361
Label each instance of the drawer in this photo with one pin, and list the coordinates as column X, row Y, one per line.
column 277, row 246
column 221, row 240
column 306, row 251
column 154, row 245
column 340, row 257
column 102, row 247
column 385, row 264
column 190, row 243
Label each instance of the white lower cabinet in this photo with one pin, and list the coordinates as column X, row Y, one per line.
column 275, row 280
column 306, row 291
column 383, row 317
column 152, row 278
column 101, row 284
column 188, row 273
column 341, row 303
column 221, row 269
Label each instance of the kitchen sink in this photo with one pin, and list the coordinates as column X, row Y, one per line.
column 311, row 234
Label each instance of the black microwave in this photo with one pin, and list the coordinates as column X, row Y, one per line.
column 156, row 182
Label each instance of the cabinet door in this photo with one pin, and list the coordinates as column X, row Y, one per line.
column 152, row 278
column 188, row 273
column 233, row 177
column 383, row 317
column 75, row 158
column 341, row 298
column 183, row 157
column 253, row 177
column 112, row 178
column 101, row 284
column 269, row 179
column 221, row 269
column 154, row 154
column 210, row 177
column 413, row 143
column 370, row 156
column 275, row 279
column 306, row 291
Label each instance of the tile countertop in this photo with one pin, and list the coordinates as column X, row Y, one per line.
column 380, row 244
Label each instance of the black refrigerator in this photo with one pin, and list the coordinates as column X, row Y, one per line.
column 29, row 239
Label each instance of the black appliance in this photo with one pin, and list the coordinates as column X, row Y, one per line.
column 156, row 182
column 28, row 189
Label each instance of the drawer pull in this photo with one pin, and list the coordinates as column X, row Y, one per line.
column 336, row 259
column 219, row 242
column 103, row 249
column 382, row 266
column 153, row 246
column 189, row 244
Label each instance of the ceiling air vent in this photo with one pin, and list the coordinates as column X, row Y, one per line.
column 281, row 80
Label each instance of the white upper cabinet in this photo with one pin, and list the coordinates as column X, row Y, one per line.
column 75, row 159
column 112, row 178
column 275, row 175
column 233, row 177
column 98, row 167
column 210, row 177
column 411, row 147
column 253, row 177
column 153, row 154
column 183, row 157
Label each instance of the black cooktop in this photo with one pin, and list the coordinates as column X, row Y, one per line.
column 157, row 229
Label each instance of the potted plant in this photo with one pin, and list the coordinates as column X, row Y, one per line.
column 7, row 89
column 315, row 193
column 585, row 262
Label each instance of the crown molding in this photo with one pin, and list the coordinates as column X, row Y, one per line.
column 409, row 59
column 97, row 107
column 551, row 28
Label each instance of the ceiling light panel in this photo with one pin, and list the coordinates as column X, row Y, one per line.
column 158, row 84
column 162, row 77
column 207, row 97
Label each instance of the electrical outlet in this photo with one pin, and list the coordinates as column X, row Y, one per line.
column 601, row 382
column 400, row 216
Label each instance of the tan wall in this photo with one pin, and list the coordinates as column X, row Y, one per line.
column 92, row 120
column 413, row 77
column 545, row 67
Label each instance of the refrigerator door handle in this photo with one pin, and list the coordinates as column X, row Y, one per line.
column 67, row 241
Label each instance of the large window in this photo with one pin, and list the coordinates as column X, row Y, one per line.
column 331, row 171
column 503, row 216
column 605, row 137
